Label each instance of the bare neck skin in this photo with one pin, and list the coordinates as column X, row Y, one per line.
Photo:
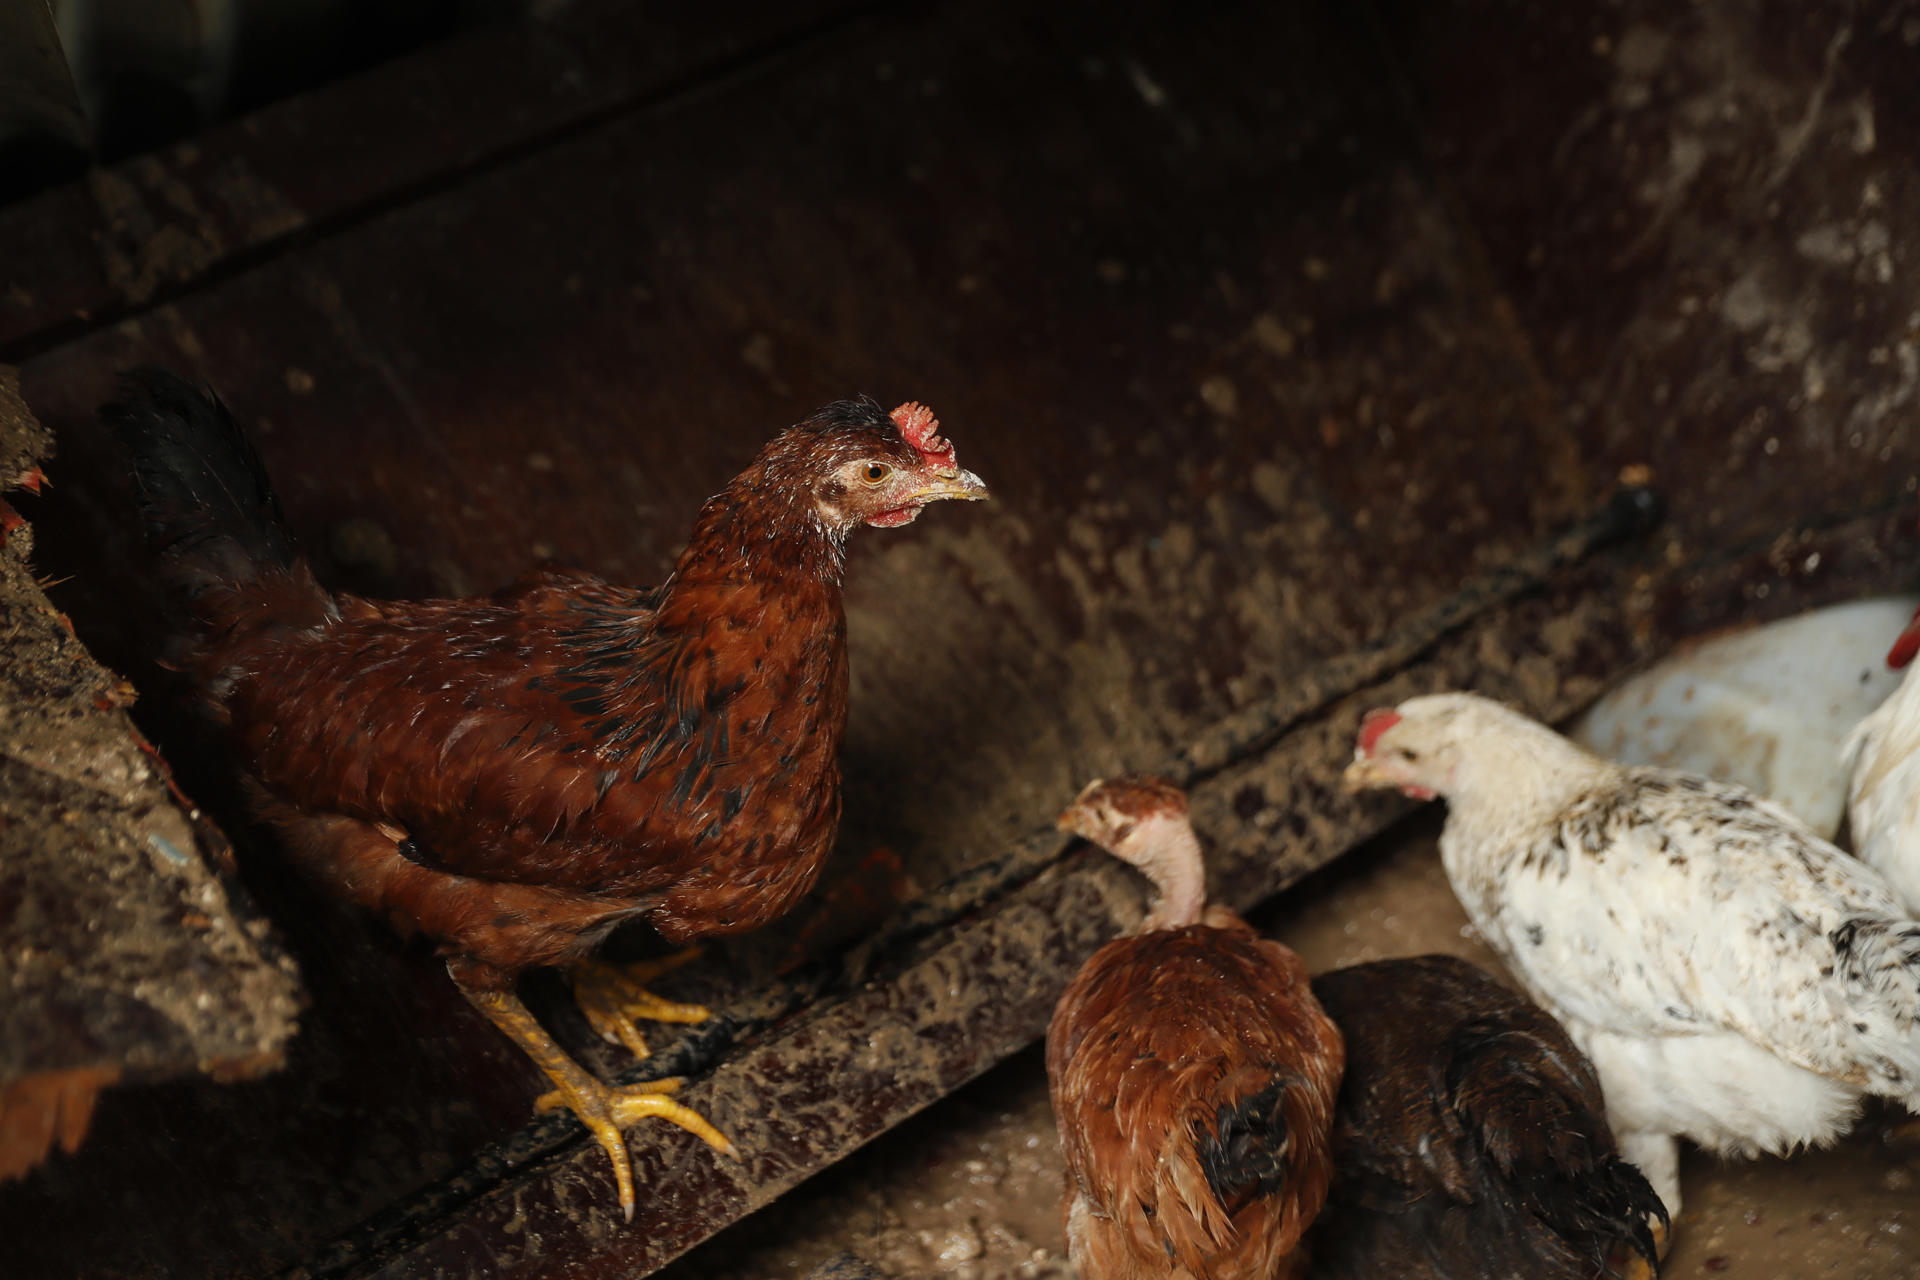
column 1167, row 852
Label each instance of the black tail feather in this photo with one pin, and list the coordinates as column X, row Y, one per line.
column 1533, row 1106
column 1471, row 1138
column 204, row 495
column 1246, row 1157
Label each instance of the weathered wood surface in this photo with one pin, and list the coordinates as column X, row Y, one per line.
column 1703, row 216
column 1222, row 324
column 124, row 955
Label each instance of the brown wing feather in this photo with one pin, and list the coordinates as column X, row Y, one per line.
column 554, row 736
column 537, row 923
column 1193, row 1077
column 1472, row 1135
column 499, row 771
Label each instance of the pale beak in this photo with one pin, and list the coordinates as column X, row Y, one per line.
column 961, row 485
column 1070, row 819
column 1363, row 775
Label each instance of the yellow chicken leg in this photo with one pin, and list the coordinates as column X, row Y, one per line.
column 1637, row 1267
column 604, row 1109
column 615, row 997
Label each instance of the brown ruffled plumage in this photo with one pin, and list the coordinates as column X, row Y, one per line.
column 557, row 754
column 515, row 775
column 1193, row 1077
column 1472, row 1138
column 497, row 771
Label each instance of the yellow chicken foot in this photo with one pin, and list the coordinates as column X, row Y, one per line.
column 605, row 1110
column 1637, row 1267
column 615, row 997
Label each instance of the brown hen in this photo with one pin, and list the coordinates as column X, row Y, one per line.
column 1192, row 1073
column 516, row 775
column 1471, row 1141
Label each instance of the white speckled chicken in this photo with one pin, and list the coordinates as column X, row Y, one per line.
column 1735, row 979
column 1883, row 785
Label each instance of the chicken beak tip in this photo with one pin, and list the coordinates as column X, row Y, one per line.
column 963, row 486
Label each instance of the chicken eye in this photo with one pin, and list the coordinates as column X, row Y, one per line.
column 875, row 472
column 1407, row 754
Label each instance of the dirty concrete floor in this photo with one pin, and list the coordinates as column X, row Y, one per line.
column 970, row 1188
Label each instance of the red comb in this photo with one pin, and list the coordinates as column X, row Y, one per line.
column 1907, row 645
column 1376, row 723
column 922, row 430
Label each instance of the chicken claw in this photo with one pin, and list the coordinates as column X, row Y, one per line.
column 1634, row 1266
column 614, row 997
column 604, row 1110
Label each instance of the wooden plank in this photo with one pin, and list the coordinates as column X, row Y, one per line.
column 146, row 229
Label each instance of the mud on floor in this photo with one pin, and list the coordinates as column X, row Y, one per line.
column 970, row 1188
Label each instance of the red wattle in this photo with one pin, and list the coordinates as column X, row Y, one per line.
column 894, row 519
column 1906, row 646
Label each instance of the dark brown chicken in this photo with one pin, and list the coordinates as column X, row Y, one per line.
column 514, row 776
column 1471, row 1141
column 1192, row 1073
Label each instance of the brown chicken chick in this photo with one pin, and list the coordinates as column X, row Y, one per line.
column 1192, row 1072
column 516, row 775
column 1471, row 1141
